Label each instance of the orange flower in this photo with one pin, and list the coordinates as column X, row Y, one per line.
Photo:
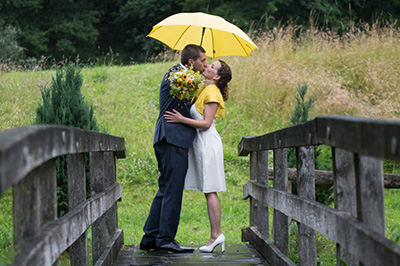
column 179, row 84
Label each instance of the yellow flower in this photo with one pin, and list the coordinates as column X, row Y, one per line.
column 184, row 77
column 179, row 84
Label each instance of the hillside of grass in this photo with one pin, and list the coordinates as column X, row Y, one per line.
column 357, row 75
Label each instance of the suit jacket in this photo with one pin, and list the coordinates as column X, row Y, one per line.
column 176, row 134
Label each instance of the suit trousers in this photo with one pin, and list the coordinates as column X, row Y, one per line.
column 162, row 222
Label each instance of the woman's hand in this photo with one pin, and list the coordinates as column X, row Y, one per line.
column 173, row 117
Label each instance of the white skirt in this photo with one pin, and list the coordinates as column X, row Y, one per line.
column 206, row 159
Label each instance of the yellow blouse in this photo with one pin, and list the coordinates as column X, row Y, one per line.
column 210, row 94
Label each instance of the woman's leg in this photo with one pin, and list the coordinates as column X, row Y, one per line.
column 214, row 215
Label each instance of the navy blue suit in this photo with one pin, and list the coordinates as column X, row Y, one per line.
column 171, row 143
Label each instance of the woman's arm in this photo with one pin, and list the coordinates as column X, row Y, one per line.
column 210, row 110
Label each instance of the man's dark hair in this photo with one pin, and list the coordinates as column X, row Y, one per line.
column 191, row 51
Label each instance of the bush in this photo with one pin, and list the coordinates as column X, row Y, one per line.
column 63, row 104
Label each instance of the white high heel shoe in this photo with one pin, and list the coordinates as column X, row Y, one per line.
column 219, row 241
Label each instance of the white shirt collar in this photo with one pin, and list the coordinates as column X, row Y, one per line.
column 183, row 66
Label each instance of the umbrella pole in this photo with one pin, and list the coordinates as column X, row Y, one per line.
column 204, row 29
column 202, row 35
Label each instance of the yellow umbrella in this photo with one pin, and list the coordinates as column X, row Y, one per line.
column 217, row 36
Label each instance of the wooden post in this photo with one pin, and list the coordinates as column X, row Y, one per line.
column 370, row 193
column 259, row 211
column 35, row 203
column 100, row 234
column 111, row 178
column 344, row 179
column 77, row 195
column 281, row 221
column 306, row 189
column 102, row 175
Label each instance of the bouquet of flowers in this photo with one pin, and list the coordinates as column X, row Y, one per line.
column 185, row 83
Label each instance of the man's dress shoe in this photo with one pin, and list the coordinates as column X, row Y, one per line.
column 174, row 247
column 148, row 246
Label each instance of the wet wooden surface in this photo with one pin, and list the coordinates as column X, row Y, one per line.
column 237, row 254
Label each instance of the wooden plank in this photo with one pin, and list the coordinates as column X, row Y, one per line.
column 370, row 137
column 76, row 195
column 281, row 221
column 34, row 203
column 110, row 254
column 345, row 194
column 297, row 135
column 364, row 136
column 58, row 235
column 371, row 247
column 24, row 149
column 262, row 244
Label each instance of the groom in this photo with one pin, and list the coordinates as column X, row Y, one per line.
column 171, row 143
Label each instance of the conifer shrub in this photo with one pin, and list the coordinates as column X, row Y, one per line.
column 63, row 104
column 323, row 193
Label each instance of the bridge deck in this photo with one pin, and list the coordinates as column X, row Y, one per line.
column 237, row 254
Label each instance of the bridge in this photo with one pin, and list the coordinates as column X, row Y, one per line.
column 356, row 223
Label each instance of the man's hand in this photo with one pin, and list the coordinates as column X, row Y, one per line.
column 173, row 117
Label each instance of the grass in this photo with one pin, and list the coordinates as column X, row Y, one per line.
column 356, row 75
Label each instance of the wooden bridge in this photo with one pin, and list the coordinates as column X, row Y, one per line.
column 356, row 224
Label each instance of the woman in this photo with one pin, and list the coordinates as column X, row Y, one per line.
column 206, row 166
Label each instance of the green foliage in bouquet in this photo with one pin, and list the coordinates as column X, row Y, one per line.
column 323, row 193
column 63, row 104
column 185, row 83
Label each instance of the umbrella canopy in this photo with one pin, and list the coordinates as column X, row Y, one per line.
column 217, row 36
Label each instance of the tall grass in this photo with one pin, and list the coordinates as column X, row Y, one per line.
column 356, row 74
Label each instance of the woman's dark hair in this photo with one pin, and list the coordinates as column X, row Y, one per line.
column 226, row 75
column 191, row 51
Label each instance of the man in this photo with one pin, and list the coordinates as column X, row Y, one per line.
column 171, row 143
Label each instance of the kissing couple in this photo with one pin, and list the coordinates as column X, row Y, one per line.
column 189, row 153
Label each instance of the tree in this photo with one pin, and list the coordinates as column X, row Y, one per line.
column 56, row 28
column 9, row 48
column 137, row 19
column 61, row 29
column 63, row 104
column 323, row 194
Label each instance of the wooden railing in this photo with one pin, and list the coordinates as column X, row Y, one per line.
column 356, row 224
column 28, row 164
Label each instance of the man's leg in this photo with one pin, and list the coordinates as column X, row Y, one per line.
column 151, row 227
column 175, row 163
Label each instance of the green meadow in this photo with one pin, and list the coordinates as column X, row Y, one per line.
column 357, row 74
